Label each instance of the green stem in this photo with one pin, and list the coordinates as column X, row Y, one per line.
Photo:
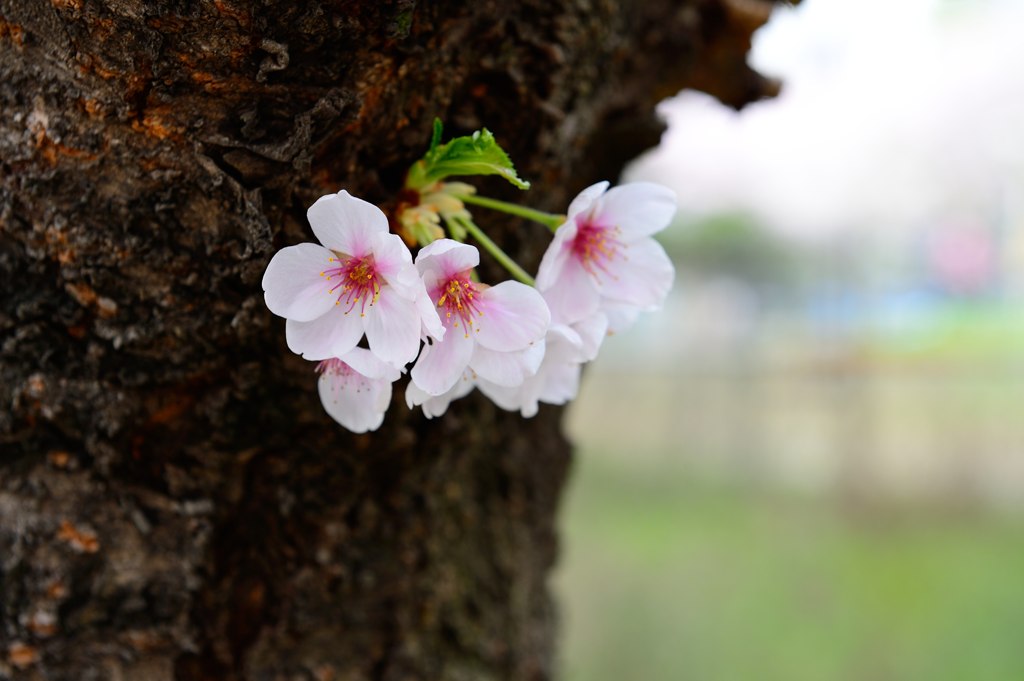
column 501, row 256
column 551, row 220
column 456, row 230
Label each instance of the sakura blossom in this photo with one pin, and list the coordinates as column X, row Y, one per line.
column 495, row 332
column 359, row 279
column 356, row 389
column 359, row 304
column 603, row 257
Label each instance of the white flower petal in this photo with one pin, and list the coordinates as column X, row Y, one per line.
column 592, row 331
column 415, row 396
column 508, row 369
column 556, row 381
column 561, row 382
column 393, row 328
column 563, row 345
column 643, row 278
column 369, row 365
column 558, row 254
column 514, row 316
column 346, row 224
column 353, row 400
column 621, row 316
column 330, row 335
column 638, row 209
column 393, row 262
column 427, row 310
column 436, row 405
column 573, row 296
column 585, row 199
column 441, row 260
column 521, row 398
column 293, row 286
column 441, row 363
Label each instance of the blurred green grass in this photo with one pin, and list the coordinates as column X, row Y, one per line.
column 666, row 577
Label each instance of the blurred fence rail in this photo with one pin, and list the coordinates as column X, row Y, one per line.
column 863, row 427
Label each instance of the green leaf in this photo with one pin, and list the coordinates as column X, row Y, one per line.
column 436, row 138
column 476, row 154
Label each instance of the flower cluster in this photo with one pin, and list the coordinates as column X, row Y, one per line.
column 360, row 306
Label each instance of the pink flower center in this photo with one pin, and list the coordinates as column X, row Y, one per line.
column 458, row 299
column 357, row 282
column 334, row 366
column 595, row 247
column 348, row 377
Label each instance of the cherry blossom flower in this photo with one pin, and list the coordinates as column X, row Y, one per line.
column 360, row 280
column 490, row 330
column 356, row 389
column 603, row 257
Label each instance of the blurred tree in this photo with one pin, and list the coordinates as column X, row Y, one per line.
column 734, row 244
column 174, row 503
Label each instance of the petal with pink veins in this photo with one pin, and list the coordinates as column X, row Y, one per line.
column 393, row 262
column 352, row 399
column 643, row 278
column 346, row 224
column 443, row 259
column 586, row 198
column 638, row 209
column 514, row 315
column 574, row 296
column 557, row 256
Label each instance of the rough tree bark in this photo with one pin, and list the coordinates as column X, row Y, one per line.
column 174, row 503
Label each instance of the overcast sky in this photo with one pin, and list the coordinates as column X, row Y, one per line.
column 892, row 113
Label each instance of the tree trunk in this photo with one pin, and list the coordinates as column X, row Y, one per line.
column 174, row 502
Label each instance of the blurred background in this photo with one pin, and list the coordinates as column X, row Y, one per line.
column 810, row 464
